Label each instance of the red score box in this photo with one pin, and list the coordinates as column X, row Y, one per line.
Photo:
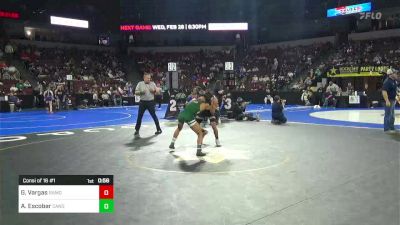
column 106, row 191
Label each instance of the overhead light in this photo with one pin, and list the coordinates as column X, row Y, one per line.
column 69, row 22
column 227, row 26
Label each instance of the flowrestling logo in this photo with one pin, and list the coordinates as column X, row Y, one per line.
column 370, row 15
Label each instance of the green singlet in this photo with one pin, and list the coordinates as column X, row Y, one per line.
column 189, row 113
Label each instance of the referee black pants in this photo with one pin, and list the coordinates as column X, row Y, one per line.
column 150, row 106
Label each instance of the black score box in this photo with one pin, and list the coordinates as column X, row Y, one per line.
column 66, row 194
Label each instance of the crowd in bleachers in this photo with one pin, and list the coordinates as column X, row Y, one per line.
column 385, row 52
column 380, row 52
column 10, row 77
column 194, row 69
column 273, row 69
column 260, row 69
column 56, row 63
column 376, row 52
column 100, row 74
column 97, row 73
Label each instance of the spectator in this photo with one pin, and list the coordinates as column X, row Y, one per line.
column 118, row 92
column 305, row 97
column 9, row 50
column 255, row 79
column 330, row 99
column 308, row 81
column 239, row 111
column 37, row 92
column 276, row 64
column 60, row 97
column 277, row 111
column 20, row 86
column 80, row 91
column 105, row 98
column 13, row 89
column 27, row 84
column 333, row 88
column 318, row 97
column 48, row 98
column 95, row 98
column 16, row 102
column 349, row 89
column 389, row 95
column 299, row 85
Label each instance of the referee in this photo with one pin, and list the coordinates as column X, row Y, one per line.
column 146, row 90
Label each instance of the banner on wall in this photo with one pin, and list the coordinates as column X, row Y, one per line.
column 356, row 71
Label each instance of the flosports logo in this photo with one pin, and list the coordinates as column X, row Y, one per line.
column 370, row 15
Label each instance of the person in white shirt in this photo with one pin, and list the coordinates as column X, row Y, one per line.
column 333, row 88
column 146, row 89
column 349, row 89
column 305, row 97
column 27, row 84
column 9, row 49
column 255, row 79
column 48, row 98
column 276, row 64
column 106, row 97
column 95, row 98
column 13, row 89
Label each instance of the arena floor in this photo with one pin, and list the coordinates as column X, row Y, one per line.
column 324, row 167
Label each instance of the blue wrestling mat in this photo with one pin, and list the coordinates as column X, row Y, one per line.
column 41, row 121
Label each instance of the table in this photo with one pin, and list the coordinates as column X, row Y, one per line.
column 343, row 102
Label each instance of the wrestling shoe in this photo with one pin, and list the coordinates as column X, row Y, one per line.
column 217, row 143
column 390, row 132
column 200, row 153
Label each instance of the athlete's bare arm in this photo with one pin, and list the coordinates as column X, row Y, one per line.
column 214, row 104
column 205, row 106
